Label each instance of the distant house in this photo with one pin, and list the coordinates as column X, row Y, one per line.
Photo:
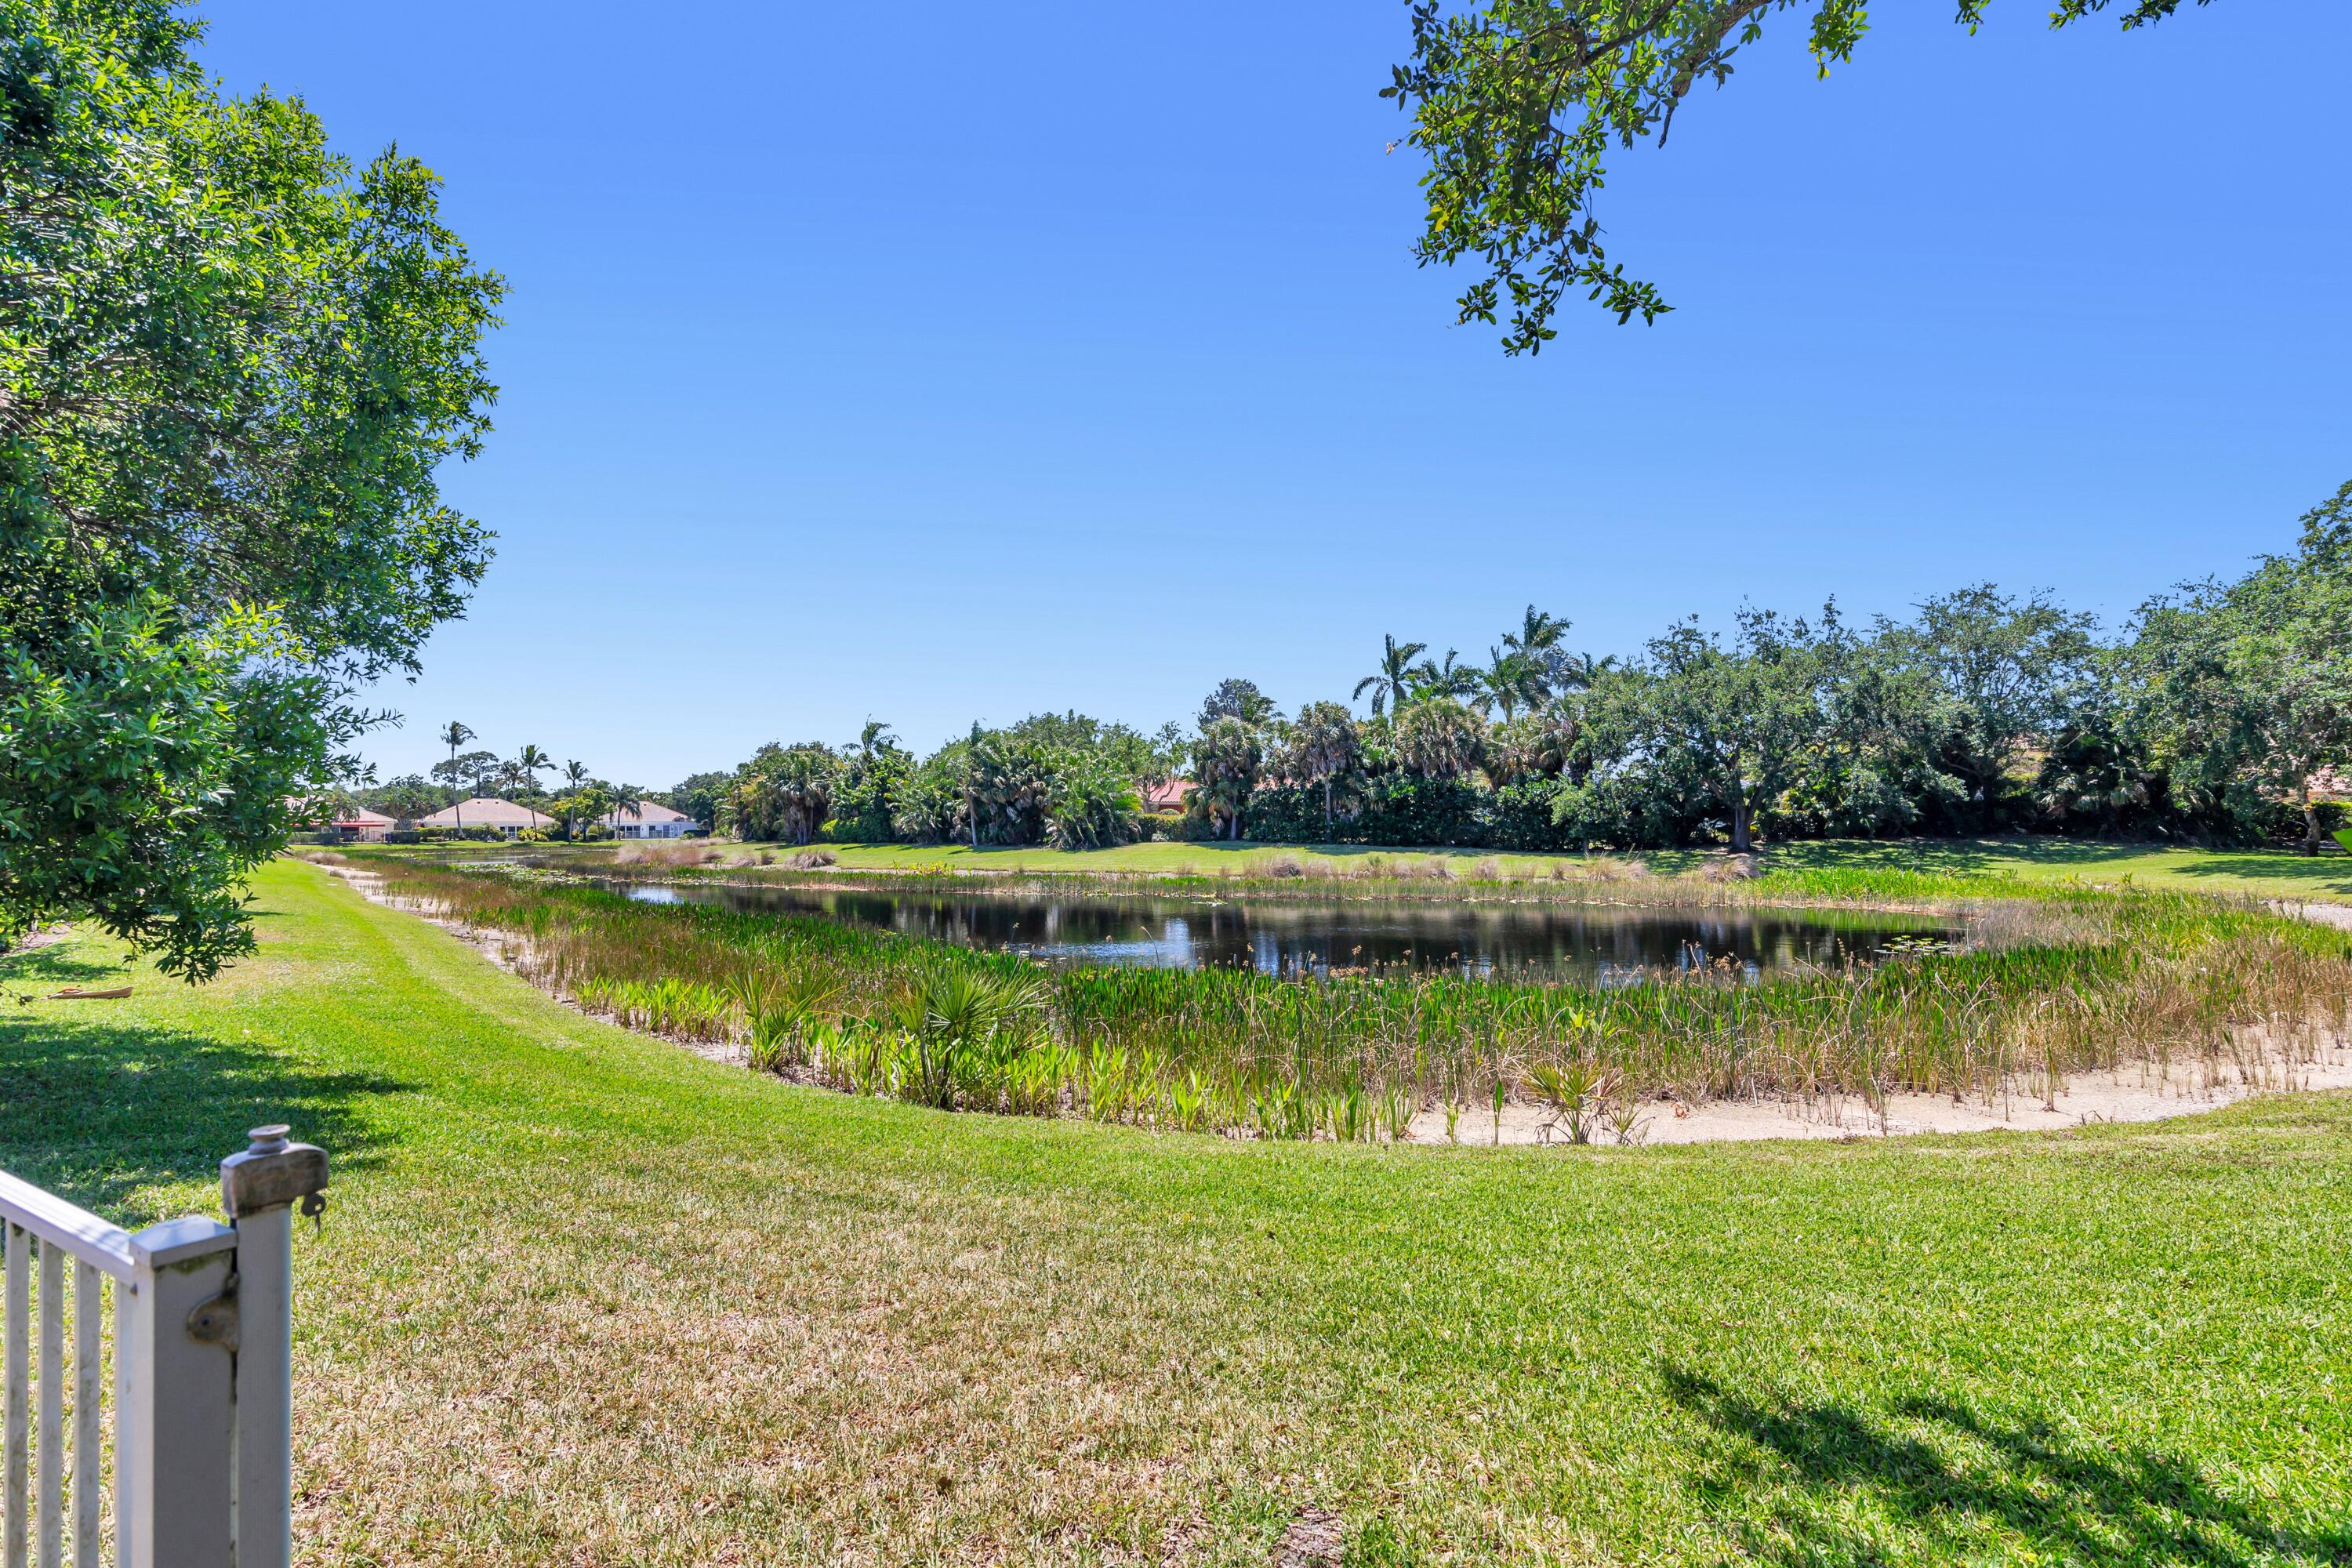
column 650, row 820
column 1168, row 796
column 486, row 811
column 352, row 824
column 361, row 826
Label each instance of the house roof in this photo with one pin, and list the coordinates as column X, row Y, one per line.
column 648, row 811
column 1168, row 796
column 485, row 811
column 314, row 809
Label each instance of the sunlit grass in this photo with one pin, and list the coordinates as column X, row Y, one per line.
column 584, row 1297
column 1861, row 868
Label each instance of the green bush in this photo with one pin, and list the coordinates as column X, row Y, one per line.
column 1519, row 817
column 1394, row 808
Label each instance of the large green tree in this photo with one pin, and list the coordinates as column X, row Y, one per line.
column 2251, row 682
column 1518, row 105
column 1981, row 675
column 230, row 367
column 1738, row 721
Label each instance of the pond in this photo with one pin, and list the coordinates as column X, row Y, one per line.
column 1546, row 941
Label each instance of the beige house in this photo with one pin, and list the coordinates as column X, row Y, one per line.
column 650, row 820
column 486, row 811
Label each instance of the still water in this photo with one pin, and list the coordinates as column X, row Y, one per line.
column 1282, row 937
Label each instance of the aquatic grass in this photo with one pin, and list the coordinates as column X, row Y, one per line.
column 2089, row 980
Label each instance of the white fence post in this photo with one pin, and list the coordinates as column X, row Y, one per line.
column 259, row 1188
column 202, row 1394
column 173, row 1433
column 20, row 1378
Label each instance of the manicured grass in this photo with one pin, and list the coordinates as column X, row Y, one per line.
column 584, row 1297
column 2031, row 860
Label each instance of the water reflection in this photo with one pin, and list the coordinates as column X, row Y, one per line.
column 1549, row 941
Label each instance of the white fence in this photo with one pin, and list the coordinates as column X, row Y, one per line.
column 202, row 1407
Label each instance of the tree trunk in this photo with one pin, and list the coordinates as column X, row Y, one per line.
column 2311, row 834
column 1326, row 809
column 1740, row 843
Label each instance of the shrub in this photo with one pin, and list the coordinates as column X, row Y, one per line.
column 1519, row 817
column 1425, row 811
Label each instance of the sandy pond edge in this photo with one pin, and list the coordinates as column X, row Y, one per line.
column 2137, row 1092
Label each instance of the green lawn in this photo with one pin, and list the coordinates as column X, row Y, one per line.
column 2263, row 871
column 584, row 1297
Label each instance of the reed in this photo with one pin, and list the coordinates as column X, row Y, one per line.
column 2074, row 982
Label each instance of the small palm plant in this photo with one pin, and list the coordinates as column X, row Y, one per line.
column 779, row 1012
column 1576, row 1090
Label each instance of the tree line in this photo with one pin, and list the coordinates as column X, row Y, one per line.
column 2209, row 716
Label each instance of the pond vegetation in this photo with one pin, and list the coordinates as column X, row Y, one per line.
column 2074, row 981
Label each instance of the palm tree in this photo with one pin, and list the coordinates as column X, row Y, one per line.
column 1392, row 682
column 1452, row 679
column 626, row 800
column 972, row 783
column 1437, row 737
column 1508, row 680
column 575, row 776
column 454, row 735
column 1323, row 738
column 529, row 763
column 1537, row 642
column 1226, row 761
column 1537, row 633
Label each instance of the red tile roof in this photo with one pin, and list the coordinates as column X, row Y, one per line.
column 1169, row 796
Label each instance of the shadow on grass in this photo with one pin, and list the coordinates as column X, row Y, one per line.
column 43, row 969
column 98, row 1114
column 2329, row 874
column 1944, row 1480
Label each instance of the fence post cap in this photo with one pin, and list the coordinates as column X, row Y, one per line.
column 180, row 1240
column 271, row 1173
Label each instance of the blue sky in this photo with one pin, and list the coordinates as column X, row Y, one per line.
column 935, row 362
